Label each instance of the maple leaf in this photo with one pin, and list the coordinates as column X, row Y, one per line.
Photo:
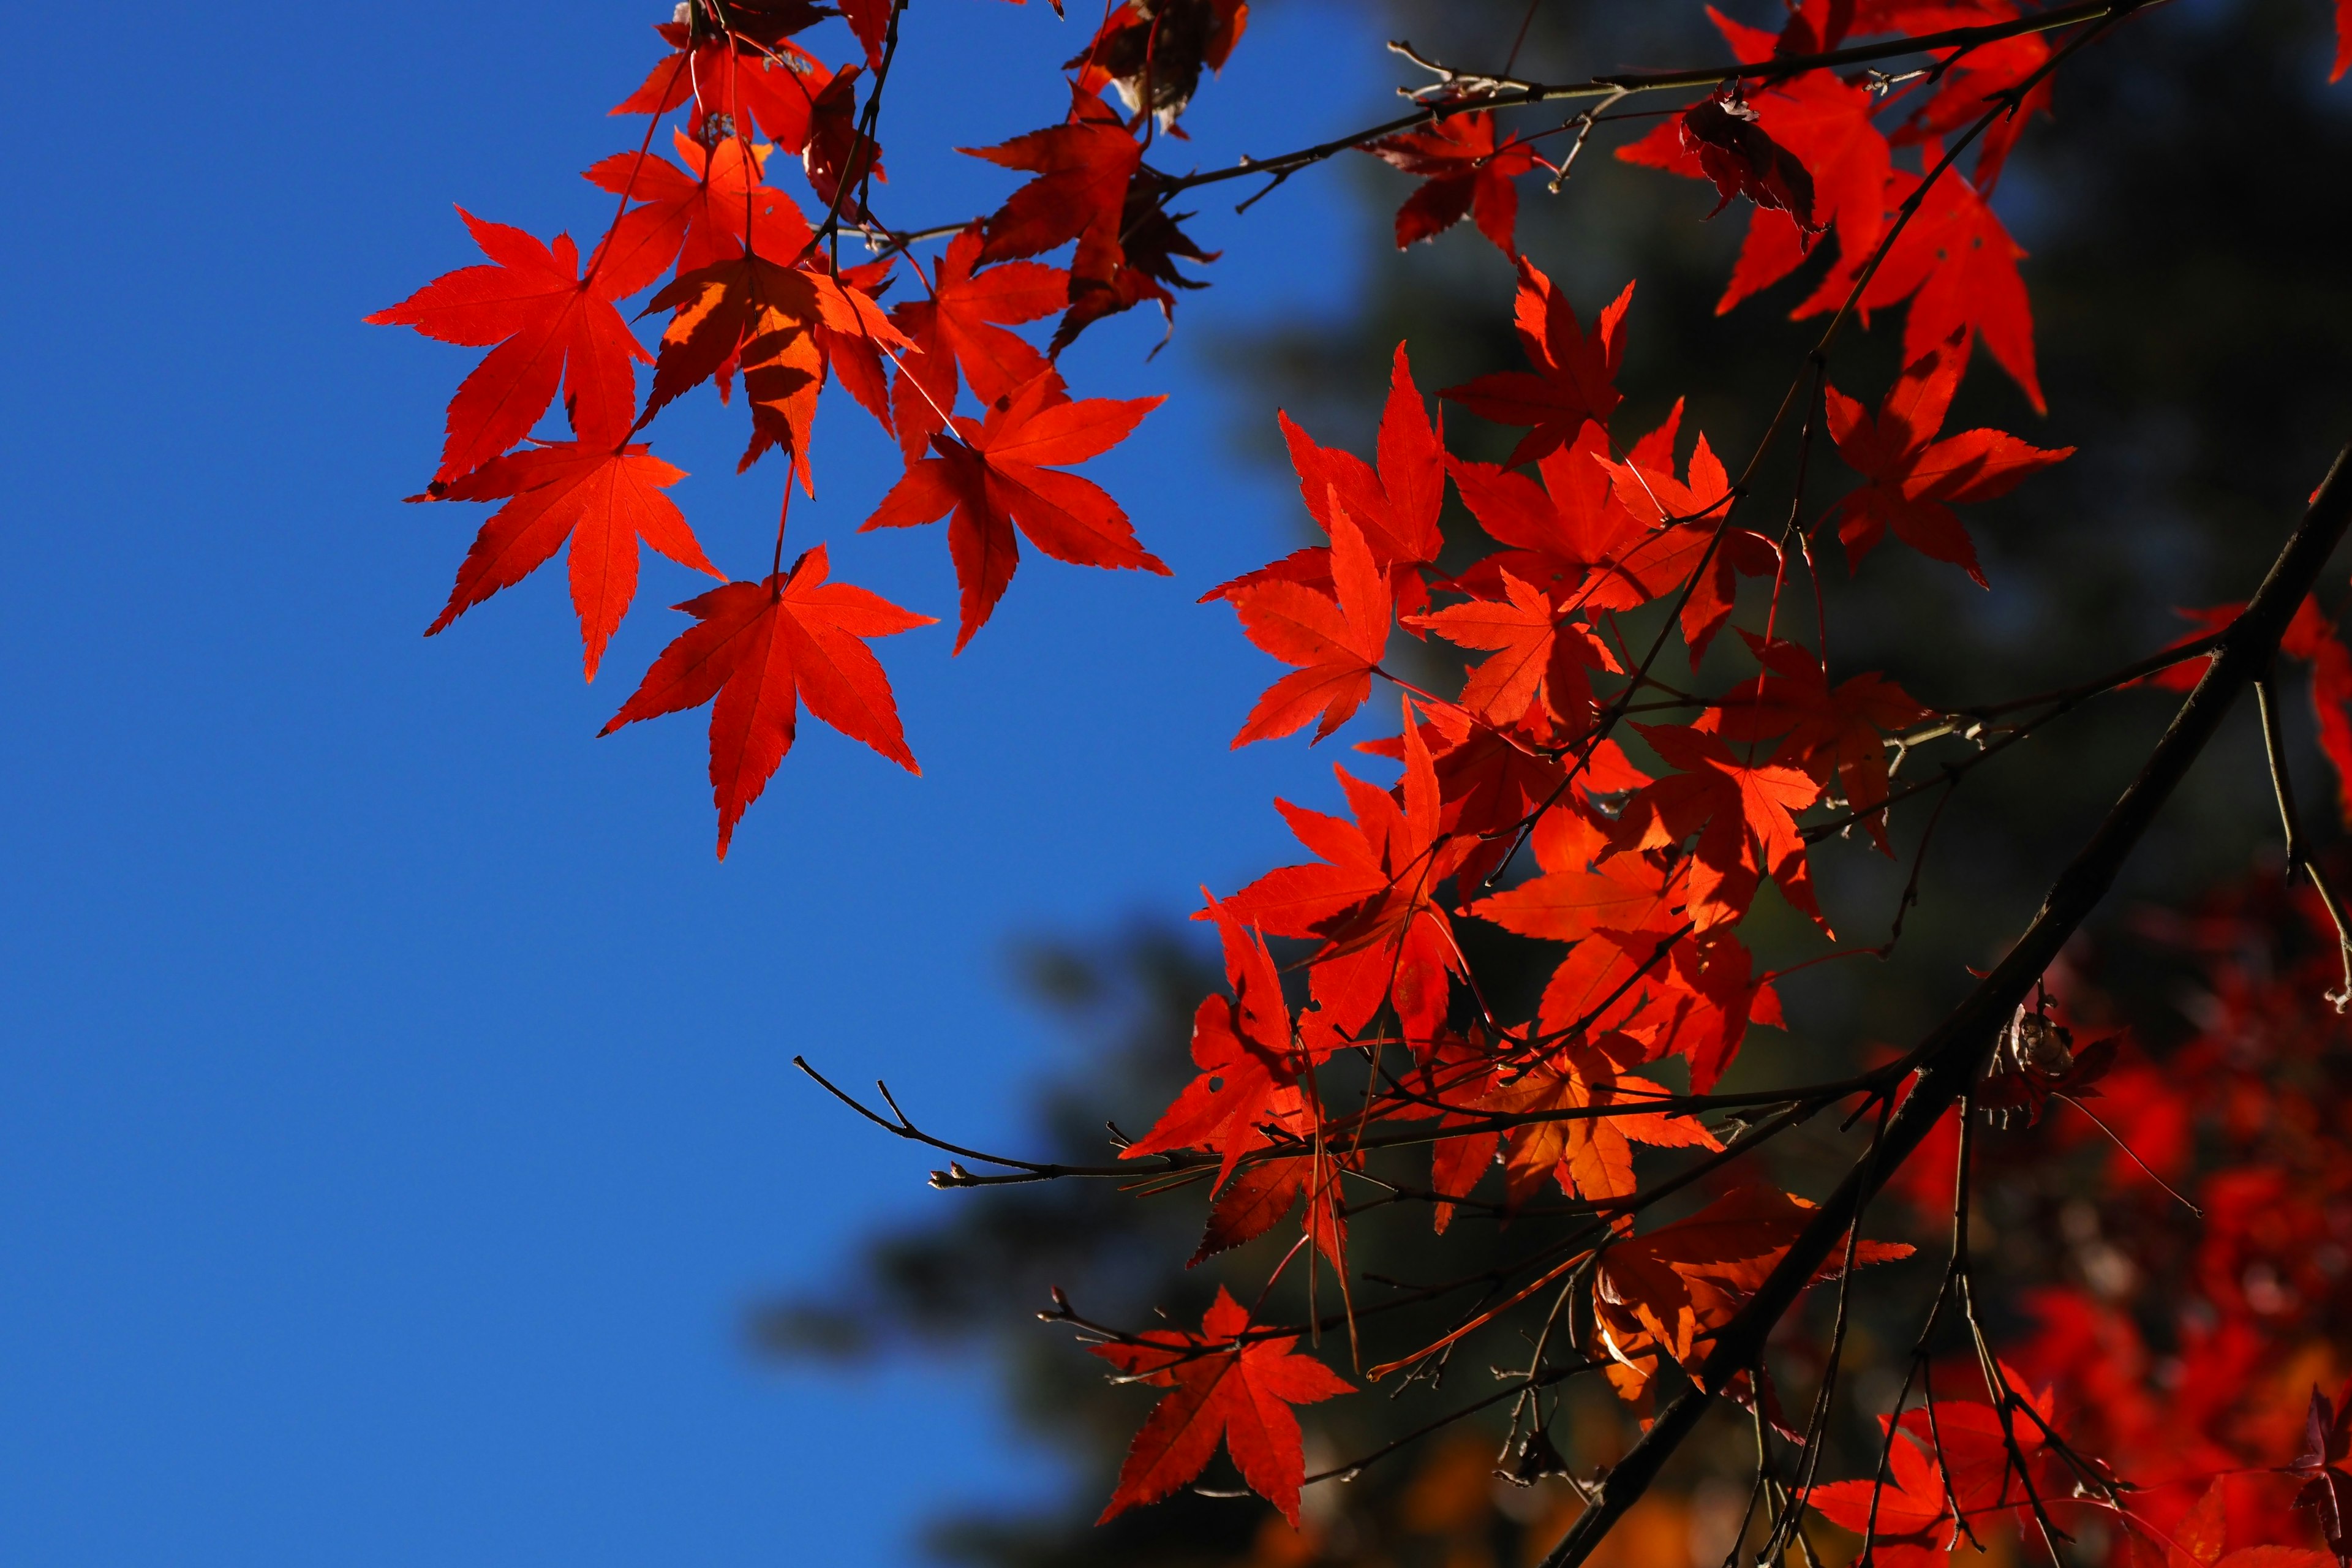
column 1493, row 777
column 1690, row 539
column 1257, row 1197
column 1082, row 168
column 1668, row 1292
column 993, row 476
column 1337, row 646
column 1566, row 535
column 869, row 20
column 1536, row 654
column 1973, row 78
column 1241, row 1395
column 1621, row 914
column 1396, row 505
column 1827, row 125
column 761, row 317
column 1834, row 736
column 1092, row 187
column 1742, row 160
column 2343, row 61
column 602, row 499
column 962, row 325
column 1958, row 266
column 1584, row 891
column 1909, row 1524
column 1589, row 1157
column 691, row 216
column 1144, row 269
column 2199, row 1540
column 1153, row 51
column 765, row 80
column 1464, row 173
column 763, row 649
column 1573, row 377
column 836, row 151
column 1914, row 477
column 1249, row 1066
column 1372, row 902
column 550, row 329
column 2322, row 1467
column 1741, row 815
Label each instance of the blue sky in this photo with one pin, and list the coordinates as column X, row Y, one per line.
column 395, row 1110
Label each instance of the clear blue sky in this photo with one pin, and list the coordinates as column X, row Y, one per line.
column 396, row 1109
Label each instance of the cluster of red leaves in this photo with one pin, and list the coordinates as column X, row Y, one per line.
column 1645, row 862
column 1644, row 870
column 1811, row 152
column 755, row 294
column 2221, row 1396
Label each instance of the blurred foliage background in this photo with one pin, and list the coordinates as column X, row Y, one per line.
column 2189, row 238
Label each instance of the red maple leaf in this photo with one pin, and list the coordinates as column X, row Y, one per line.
column 1464, row 173
column 1153, row 51
column 761, row 317
column 1337, row 646
column 835, row 149
column 766, row 80
column 962, row 325
column 1566, row 536
column 552, row 329
column 1617, row 911
column 1144, row 269
column 601, row 499
column 1668, row 1292
column 1833, row 735
column 1958, row 266
column 763, row 648
column 1396, row 505
column 1220, row 1386
column 1740, row 814
column 757, row 79
column 993, row 476
column 692, row 216
column 1912, row 475
column 1536, row 654
column 1827, row 126
column 1372, row 901
column 1971, row 78
column 1082, row 170
column 1249, row 1065
column 1691, row 540
column 2343, row 41
column 1573, row 378
column 870, row 21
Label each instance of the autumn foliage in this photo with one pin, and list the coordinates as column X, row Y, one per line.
column 1636, row 738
